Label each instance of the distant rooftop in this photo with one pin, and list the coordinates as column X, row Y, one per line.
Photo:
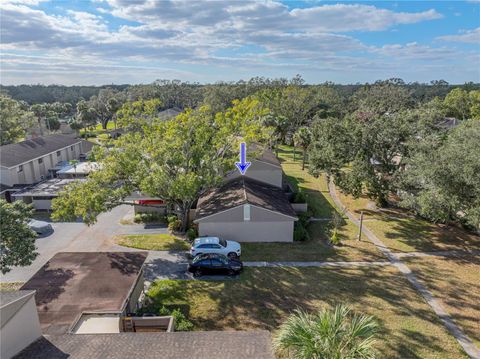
column 169, row 113
column 80, row 168
column 264, row 154
column 47, row 188
column 17, row 153
column 176, row 345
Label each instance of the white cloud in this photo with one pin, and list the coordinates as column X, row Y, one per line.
column 243, row 36
column 467, row 36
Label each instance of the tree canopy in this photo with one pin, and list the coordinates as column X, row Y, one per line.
column 17, row 247
column 176, row 160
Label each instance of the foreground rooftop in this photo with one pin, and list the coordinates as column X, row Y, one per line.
column 176, row 345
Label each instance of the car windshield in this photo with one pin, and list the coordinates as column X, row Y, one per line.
column 222, row 242
column 199, row 258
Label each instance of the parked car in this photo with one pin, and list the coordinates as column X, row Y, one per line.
column 214, row 263
column 204, row 245
column 40, row 227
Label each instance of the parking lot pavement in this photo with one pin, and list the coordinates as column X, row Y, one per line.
column 78, row 237
column 166, row 265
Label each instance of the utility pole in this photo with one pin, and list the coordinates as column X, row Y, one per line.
column 360, row 228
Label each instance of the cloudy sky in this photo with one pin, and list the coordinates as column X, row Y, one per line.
column 137, row 41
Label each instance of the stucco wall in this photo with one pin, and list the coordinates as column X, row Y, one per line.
column 263, row 226
column 249, row 231
column 135, row 295
column 34, row 170
column 21, row 330
column 262, row 172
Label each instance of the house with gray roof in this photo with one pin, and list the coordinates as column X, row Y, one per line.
column 253, row 207
column 33, row 160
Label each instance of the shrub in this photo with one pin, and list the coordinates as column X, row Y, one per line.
column 303, row 218
column 148, row 217
column 300, row 233
column 174, row 223
column 300, row 197
column 192, row 234
column 334, row 238
column 182, row 324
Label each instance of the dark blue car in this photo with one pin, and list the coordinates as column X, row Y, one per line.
column 214, row 263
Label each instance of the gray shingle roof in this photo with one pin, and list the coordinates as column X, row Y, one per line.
column 18, row 153
column 175, row 345
column 240, row 191
column 264, row 154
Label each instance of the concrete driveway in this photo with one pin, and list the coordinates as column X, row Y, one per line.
column 78, row 237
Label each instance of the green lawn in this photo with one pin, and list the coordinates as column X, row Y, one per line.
column 456, row 283
column 316, row 189
column 321, row 205
column 316, row 249
column 263, row 297
column 403, row 232
column 10, row 286
column 156, row 242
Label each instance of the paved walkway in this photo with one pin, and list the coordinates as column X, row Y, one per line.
column 439, row 254
column 467, row 344
column 316, row 264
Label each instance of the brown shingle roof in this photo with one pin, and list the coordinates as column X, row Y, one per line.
column 264, row 154
column 73, row 282
column 176, row 345
column 240, row 191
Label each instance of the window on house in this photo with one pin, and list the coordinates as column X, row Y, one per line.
column 246, row 212
column 20, row 169
column 40, row 160
column 58, row 153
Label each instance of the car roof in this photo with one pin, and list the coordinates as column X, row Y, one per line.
column 203, row 240
column 209, row 256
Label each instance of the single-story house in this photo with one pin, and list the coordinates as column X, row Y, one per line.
column 19, row 322
column 87, row 292
column 31, row 161
column 42, row 194
column 246, row 210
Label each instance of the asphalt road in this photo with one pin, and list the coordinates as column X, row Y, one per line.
column 78, row 237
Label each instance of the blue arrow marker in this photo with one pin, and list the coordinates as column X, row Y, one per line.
column 242, row 165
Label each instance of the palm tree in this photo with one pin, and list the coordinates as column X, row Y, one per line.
column 302, row 138
column 328, row 334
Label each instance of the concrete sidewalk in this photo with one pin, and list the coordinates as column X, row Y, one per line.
column 316, row 264
column 467, row 344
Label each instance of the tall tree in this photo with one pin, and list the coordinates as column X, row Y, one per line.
column 303, row 138
column 457, row 104
column 15, row 120
column 441, row 180
column 329, row 334
column 475, row 104
column 134, row 116
column 106, row 104
column 176, row 160
column 17, row 247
